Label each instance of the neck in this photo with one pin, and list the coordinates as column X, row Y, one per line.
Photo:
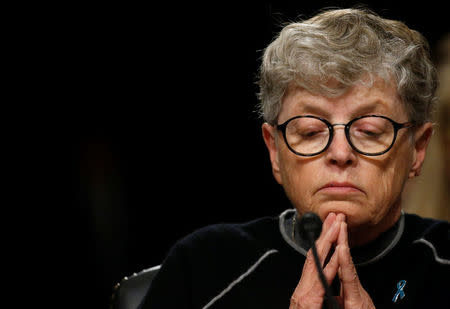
column 362, row 235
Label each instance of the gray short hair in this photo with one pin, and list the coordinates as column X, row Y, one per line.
column 347, row 47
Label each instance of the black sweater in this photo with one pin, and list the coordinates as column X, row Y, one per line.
column 256, row 265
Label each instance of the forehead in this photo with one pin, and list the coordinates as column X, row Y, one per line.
column 379, row 98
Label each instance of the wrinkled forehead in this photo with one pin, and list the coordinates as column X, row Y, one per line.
column 380, row 97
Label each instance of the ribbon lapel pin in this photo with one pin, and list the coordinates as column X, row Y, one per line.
column 400, row 293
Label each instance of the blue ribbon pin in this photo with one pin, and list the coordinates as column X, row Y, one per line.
column 400, row 293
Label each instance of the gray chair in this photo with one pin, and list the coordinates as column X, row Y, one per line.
column 130, row 292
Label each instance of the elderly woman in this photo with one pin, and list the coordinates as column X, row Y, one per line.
column 347, row 98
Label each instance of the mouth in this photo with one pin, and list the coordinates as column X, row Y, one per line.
column 335, row 187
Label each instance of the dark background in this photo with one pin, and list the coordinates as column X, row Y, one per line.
column 155, row 132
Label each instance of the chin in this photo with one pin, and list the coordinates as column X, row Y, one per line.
column 355, row 215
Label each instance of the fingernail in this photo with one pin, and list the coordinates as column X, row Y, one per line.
column 341, row 217
column 331, row 216
column 330, row 219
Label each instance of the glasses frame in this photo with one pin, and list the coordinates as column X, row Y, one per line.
column 397, row 126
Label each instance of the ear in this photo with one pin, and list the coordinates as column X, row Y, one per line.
column 269, row 135
column 422, row 138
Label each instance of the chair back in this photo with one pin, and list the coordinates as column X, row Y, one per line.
column 130, row 292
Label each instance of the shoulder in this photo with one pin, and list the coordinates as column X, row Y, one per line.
column 208, row 262
column 225, row 249
column 430, row 234
column 259, row 233
column 209, row 259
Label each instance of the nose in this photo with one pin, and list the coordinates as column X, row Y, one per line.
column 340, row 153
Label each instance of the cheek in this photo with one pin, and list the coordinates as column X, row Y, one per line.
column 299, row 183
column 386, row 185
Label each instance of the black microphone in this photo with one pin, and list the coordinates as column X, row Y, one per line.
column 310, row 227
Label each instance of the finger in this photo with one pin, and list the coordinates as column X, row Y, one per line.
column 327, row 225
column 332, row 267
column 343, row 235
column 352, row 291
column 309, row 266
column 340, row 217
column 328, row 221
column 309, row 288
column 311, row 295
column 347, row 271
column 309, row 276
column 330, row 229
column 326, row 240
column 308, row 292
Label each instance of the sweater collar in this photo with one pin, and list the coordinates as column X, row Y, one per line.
column 362, row 255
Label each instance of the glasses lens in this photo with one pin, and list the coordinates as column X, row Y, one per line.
column 307, row 135
column 372, row 135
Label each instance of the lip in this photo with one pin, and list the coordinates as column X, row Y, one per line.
column 340, row 188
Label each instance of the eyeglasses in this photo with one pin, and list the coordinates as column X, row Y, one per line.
column 371, row 135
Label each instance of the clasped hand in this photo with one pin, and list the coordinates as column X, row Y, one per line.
column 309, row 291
